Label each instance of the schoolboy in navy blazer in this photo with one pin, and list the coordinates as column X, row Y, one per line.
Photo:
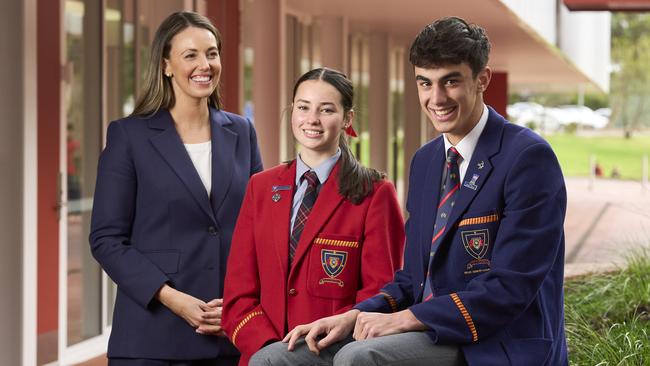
column 504, row 306
column 153, row 223
column 496, row 268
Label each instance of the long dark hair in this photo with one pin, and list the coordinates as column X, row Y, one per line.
column 355, row 181
column 157, row 91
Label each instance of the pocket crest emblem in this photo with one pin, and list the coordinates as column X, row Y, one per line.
column 333, row 262
column 476, row 242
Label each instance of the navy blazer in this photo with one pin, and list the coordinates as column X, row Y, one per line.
column 497, row 275
column 154, row 223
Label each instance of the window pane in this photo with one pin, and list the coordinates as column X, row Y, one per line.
column 82, row 106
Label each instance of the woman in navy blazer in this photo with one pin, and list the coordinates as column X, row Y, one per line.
column 170, row 183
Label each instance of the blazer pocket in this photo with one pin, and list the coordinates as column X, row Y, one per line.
column 165, row 260
column 476, row 234
column 333, row 269
column 479, row 218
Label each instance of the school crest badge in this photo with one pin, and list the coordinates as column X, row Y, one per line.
column 333, row 262
column 476, row 242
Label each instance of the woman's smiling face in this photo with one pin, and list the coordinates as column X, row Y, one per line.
column 194, row 64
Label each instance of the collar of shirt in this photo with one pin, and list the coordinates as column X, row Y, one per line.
column 467, row 145
column 322, row 171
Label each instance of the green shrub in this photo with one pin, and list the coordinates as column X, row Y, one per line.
column 608, row 315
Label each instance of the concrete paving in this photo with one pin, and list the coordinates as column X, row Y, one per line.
column 607, row 220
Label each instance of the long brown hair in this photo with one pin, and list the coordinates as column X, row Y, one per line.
column 157, row 91
column 355, row 181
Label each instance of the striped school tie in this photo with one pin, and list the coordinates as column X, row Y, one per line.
column 303, row 211
column 448, row 196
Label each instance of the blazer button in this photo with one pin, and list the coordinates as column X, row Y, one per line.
column 212, row 230
column 293, row 292
column 421, row 284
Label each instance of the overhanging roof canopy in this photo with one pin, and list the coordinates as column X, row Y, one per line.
column 608, row 5
column 530, row 61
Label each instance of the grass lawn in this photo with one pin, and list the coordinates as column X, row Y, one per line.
column 608, row 316
column 574, row 154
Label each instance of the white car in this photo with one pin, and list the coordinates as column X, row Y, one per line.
column 581, row 115
column 533, row 115
column 605, row 112
column 550, row 119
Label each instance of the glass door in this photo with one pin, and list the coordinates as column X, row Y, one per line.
column 80, row 281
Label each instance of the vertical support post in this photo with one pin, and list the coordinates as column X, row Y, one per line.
column 592, row 171
column 378, row 101
column 267, row 77
column 644, row 173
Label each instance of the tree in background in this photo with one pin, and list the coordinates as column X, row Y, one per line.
column 630, row 79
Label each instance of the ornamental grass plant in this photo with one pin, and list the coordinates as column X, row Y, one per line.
column 608, row 315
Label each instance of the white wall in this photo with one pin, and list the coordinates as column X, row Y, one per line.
column 540, row 15
column 585, row 37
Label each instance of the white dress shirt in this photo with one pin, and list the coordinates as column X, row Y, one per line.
column 467, row 144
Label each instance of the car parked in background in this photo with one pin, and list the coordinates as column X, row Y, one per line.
column 552, row 119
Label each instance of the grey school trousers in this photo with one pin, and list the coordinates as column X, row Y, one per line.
column 405, row 349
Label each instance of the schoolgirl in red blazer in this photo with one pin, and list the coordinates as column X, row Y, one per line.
column 351, row 240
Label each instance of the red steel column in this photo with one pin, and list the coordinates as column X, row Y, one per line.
column 226, row 17
column 496, row 94
column 49, row 112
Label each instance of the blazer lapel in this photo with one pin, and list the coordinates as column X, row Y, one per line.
column 326, row 203
column 224, row 142
column 479, row 168
column 472, row 183
column 281, row 219
column 429, row 200
column 170, row 146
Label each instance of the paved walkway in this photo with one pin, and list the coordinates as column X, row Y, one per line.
column 606, row 221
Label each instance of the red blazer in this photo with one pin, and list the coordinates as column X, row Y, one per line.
column 346, row 254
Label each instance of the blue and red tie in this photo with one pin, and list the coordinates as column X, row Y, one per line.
column 303, row 211
column 448, row 195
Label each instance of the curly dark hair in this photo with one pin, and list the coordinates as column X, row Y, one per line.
column 451, row 40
